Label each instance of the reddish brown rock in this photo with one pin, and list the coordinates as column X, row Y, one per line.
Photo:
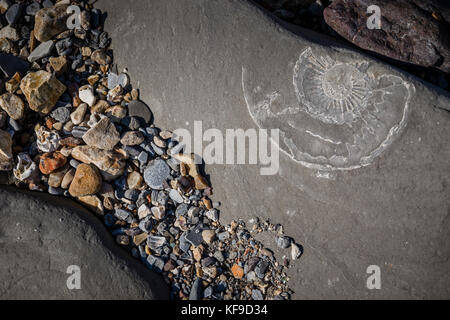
column 411, row 31
column 51, row 161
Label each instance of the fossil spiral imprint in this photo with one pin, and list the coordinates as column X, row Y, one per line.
column 341, row 115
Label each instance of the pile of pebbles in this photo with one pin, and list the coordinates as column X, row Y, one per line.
column 72, row 125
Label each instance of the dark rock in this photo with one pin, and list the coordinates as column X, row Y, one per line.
column 50, row 229
column 195, row 237
column 408, row 33
column 155, row 263
column 196, row 290
column 11, row 64
column 33, row 8
column 140, row 109
column 14, row 13
column 283, row 242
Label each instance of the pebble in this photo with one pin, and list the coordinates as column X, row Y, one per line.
column 257, row 295
column 78, row 115
column 49, row 162
column 86, row 181
column 14, row 13
column 132, row 138
column 296, row 251
column 102, row 135
column 196, row 292
column 175, row 196
column 156, row 263
column 13, row 105
column 283, row 242
column 156, row 174
column 86, row 94
column 41, row 51
column 61, row 114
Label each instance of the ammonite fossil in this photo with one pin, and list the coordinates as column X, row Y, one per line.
column 343, row 114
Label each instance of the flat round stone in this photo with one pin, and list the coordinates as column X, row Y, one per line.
column 156, row 174
column 139, row 109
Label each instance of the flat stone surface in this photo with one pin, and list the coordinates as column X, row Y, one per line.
column 41, row 236
column 218, row 60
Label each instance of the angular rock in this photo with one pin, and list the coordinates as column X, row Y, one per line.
column 41, row 51
column 14, row 13
column 59, row 64
column 110, row 163
column 408, row 31
column 132, row 138
column 5, row 151
column 92, row 202
column 42, row 90
column 134, row 180
column 102, row 135
column 48, row 228
column 50, row 21
column 13, row 105
column 9, row 33
column 100, row 57
column 87, row 181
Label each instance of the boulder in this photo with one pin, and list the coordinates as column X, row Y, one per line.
column 410, row 31
column 46, row 241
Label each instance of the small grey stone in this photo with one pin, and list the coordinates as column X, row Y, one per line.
column 222, row 236
column 132, row 194
column 283, row 242
column 122, row 214
column 157, row 149
column 41, row 51
column 219, row 256
column 74, row 163
column 33, row 8
column 208, row 292
column 143, row 158
column 213, row 214
column 14, row 12
column 155, row 242
column 176, row 196
column 197, row 290
column 79, row 132
column 56, row 191
column 156, row 263
column 261, row 268
column 257, row 295
column 61, row 114
column 156, row 174
column 195, row 237
column 112, row 80
column 208, row 261
column 181, row 210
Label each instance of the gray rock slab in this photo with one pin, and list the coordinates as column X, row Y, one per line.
column 382, row 201
column 41, row 236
